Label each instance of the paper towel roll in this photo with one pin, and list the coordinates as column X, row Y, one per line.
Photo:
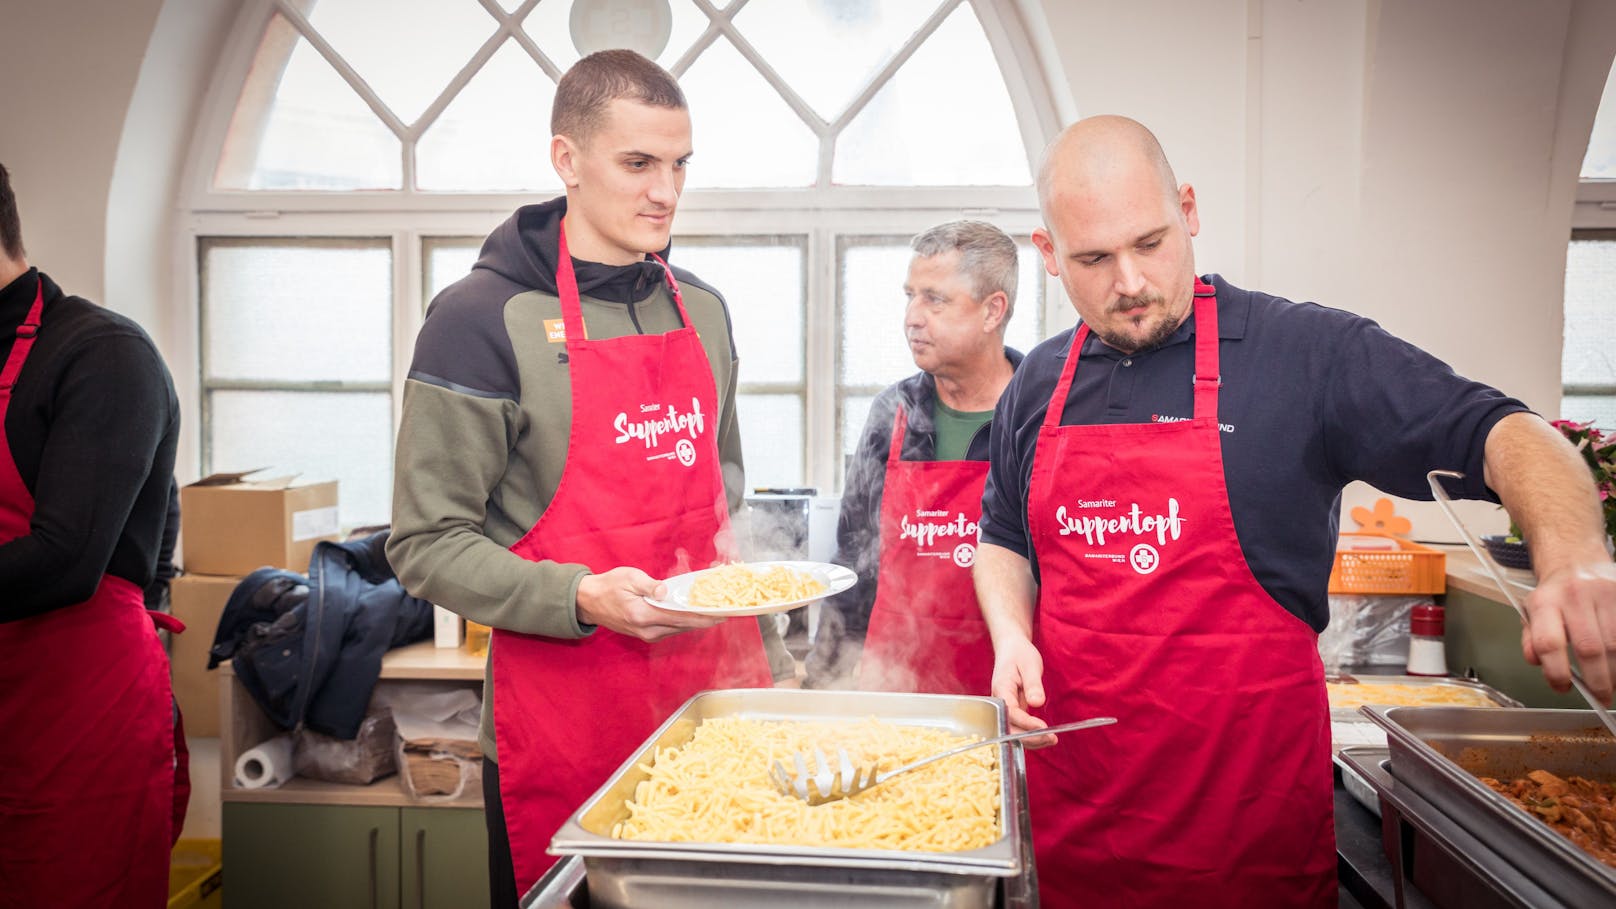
column 267, row 765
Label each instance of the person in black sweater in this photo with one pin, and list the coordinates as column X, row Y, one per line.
column 94, row 786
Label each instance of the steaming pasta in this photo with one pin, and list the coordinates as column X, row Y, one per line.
column 716, row 789
column 733, row 586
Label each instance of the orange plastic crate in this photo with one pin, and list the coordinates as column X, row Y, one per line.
column 1410, row 569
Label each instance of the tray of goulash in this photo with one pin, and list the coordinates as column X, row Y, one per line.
column 692, row 819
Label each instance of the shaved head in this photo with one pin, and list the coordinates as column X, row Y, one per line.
column 1117, row 229
column 1091, row 153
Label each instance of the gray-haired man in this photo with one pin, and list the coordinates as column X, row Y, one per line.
column 914, row 490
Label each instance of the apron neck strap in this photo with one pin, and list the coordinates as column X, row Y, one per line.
column 900, row 425
column 567, row 288
column 1206, row 376
column 26, row 333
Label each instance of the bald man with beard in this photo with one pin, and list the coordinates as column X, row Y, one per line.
column 1158, row 528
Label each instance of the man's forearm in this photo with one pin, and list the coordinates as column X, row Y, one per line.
column 1005, row 590
column 1547, row 490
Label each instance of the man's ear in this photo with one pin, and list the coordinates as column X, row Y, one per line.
column 564, row 157
column 995, row 306
column 1046, row 249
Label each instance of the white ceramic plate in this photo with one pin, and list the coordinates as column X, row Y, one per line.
column 835, row 578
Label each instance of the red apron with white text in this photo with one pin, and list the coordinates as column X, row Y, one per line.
column 642, row 487
column 1214, row 787
column 91, row 784
column 926, row 630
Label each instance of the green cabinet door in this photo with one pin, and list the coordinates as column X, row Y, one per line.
column 310, row 856
column 444, row 860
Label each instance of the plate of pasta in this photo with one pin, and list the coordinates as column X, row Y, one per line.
column 753, row 588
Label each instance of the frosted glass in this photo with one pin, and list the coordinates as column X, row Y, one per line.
column 763, row 287
column 874, row 350
column 448, row 259
column 952, row 79
column 1601, row 409
column 495, row 135
column 1600, row 161
column 406, row 50
column 1590, row 313
column 314, row 132
column 771, row 439
column 317, row 435
column 550, row 28
column 743, row 133
column 855, row 410
column 298, row 310
column 800, row 39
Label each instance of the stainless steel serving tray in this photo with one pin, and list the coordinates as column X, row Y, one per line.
column 628, row 873
column 1351, row 714
column 1438, row 752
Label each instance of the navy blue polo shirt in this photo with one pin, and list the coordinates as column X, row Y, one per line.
column 1312, row 399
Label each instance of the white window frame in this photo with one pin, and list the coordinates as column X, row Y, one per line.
column 822, row 213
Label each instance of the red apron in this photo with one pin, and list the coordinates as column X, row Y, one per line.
column 1214, row 787
column 926, row 630
column 92, row 788
column 642, row 486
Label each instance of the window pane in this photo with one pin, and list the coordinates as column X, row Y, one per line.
column 873, row 350
column 1601, row 409
column 952, row 78
column 1590, row 312
column 550, row 27
column 297, row 310
column 1026, row 327
column 495, row 135
column 1600, row 162
column 763, row 285
column 744, row 134
column 771, row 439
column 406, row 50
column 317, row 435
column 447, row 260
column 291, row 95
column 796, row 37
column 855, row 410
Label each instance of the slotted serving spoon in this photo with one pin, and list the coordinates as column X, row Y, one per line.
column 838, row 779
column 1508, row 587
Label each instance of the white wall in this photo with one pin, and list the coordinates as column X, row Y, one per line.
column 1411, row 160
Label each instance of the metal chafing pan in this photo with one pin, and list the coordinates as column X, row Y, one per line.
column 1351, row 714
column 627, row 874
column 1440, row 751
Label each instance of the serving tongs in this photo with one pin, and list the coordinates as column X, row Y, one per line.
column 838, row 779
column 1508, row 587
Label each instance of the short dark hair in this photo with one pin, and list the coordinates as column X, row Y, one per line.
column 10, row 223
column 597, row 80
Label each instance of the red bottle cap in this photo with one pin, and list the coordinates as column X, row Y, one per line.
column 1426, row 620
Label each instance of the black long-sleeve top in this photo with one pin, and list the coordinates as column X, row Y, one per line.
column 92, row 428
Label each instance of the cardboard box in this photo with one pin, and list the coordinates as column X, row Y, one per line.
column 198, row 600
column 231, row 525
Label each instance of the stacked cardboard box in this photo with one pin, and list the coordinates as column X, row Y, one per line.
column 229, row 527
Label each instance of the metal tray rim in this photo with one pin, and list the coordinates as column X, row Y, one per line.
column 1429, row 759
column 1351, row 714
column 1002, row 858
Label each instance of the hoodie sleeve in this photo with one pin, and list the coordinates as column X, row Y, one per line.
column 454, row 442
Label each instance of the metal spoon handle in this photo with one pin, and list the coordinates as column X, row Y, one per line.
column 1067, row 727
column 1508, row 587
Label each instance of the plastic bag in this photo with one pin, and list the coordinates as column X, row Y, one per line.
column 365, row 759
column 435, row 746
column 1367, row 631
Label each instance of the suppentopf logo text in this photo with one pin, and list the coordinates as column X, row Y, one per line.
column 930, row 527
column 669, row 422
column 1117, row 526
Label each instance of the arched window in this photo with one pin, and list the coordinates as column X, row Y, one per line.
column 1588, row 365
column 353, row 153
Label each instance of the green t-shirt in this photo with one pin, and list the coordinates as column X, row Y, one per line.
column 955, row 429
